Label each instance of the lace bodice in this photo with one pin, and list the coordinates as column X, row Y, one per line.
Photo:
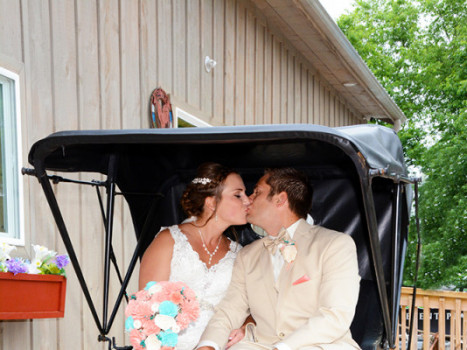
column 209, row 284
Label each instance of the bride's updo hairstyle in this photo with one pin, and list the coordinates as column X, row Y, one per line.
column 209, row 182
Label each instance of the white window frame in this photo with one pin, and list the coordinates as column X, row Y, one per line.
column 180, row 113
column 12, row 118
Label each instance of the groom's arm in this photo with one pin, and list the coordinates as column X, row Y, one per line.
column 232, row 311
column 338, row 297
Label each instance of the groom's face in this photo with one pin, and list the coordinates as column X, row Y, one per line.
column 261, row 209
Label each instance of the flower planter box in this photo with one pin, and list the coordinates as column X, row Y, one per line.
column 27, row 296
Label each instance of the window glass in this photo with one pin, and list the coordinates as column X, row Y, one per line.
column 10, row 177
column 186, row 120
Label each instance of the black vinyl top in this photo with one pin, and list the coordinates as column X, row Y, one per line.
column 379, row 146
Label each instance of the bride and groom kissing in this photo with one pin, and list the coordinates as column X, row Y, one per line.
column 296, row 288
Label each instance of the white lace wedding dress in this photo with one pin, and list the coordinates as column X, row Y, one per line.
column 209, row 284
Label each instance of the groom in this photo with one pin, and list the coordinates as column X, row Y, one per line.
column 300, row 285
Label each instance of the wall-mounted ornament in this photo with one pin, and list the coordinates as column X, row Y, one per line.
column 161, row 110
column 209, row 63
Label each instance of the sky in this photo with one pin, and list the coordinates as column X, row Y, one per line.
column 336, row 7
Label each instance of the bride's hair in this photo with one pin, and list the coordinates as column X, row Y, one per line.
column 209, row 182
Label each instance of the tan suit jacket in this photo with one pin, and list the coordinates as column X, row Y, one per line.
column 314, row 314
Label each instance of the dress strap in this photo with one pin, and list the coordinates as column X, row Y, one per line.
column 177, row 234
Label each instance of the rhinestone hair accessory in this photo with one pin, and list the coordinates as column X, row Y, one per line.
column 201, row 180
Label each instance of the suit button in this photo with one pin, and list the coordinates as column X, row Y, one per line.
column 281, row 335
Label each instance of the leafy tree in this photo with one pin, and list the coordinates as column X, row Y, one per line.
column 418, row 51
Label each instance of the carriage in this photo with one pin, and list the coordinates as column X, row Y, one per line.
column 360, row 182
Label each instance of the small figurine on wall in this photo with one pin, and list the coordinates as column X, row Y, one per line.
column 161, row 110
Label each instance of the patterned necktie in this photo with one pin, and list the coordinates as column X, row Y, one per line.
column 272, row 244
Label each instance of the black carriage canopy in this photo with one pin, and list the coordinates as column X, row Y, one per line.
column 361, row 187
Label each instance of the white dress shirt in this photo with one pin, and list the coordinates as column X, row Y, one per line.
column 277, row 261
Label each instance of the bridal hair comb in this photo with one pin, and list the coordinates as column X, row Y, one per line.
column 201, row 180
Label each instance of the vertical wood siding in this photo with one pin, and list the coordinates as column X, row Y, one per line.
column 93, row 65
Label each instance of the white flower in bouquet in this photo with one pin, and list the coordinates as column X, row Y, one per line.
column 152, row 343
column 164, row 321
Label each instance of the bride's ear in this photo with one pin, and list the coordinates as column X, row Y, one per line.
column 210, row 203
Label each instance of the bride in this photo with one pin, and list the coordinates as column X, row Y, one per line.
column 196, row 252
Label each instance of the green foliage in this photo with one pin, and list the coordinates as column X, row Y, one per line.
column 418, row 51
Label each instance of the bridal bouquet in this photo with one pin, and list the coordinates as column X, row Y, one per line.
column 156, row 314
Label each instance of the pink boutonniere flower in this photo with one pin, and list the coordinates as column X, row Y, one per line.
column 288, row 250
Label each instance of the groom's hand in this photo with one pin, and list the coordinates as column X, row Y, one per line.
column 205, row 348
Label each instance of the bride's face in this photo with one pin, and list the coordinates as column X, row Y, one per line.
column 232, row 207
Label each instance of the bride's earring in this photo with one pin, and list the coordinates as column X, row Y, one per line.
column 215, row 218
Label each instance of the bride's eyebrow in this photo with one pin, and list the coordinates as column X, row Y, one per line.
column 240, row 189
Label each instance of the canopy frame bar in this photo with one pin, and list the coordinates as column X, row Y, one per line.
column 396, row 260
column 45, row 182
column 375, row 250
column 52, row 200
column 108, row 221
column 390, row 318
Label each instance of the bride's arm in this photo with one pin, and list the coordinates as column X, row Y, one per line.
column 155, row 264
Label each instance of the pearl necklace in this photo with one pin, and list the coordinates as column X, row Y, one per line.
column 206, row 248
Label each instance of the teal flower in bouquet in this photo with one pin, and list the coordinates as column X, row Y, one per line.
column 168, row 308
column 129, row 324
column 168, row 338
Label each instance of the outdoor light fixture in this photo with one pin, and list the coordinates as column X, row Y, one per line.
column 209, row 63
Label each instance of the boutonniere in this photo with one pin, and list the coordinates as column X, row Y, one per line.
column 288, row 250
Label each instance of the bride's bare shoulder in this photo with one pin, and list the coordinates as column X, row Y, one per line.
column 163, row 239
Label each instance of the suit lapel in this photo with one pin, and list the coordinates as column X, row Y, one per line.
column 284, row 281
column 286, row 277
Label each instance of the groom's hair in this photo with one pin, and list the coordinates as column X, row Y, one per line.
column 295, row 184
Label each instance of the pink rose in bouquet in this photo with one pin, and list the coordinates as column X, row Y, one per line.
column 156, row 314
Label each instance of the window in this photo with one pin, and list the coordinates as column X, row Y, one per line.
column 11, row 191
column 186, row 120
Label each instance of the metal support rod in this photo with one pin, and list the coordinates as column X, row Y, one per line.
column 417, row 265
column 375, row 248
column 111, row 177
column 57, row 179
column 125, row 282
column 101, row 205
column 147, row 227
column 112, row 254
column 49, row 194
column 396, row 263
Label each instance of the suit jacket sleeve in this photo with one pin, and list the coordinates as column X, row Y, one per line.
column 232, row 311
column 338, row 296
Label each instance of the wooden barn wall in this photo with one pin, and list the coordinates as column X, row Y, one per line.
column 93, row 65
